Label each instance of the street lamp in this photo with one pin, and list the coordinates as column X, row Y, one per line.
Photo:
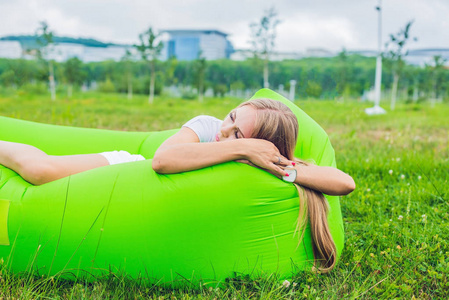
column 376, row 109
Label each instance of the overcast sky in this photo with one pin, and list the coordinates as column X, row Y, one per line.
column 332, row 24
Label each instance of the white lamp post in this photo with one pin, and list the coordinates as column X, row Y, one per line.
column 376, row 109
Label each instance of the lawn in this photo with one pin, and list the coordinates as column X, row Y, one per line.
column 396, row 221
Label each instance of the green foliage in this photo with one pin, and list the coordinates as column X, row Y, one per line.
column 44, row 39
column 189, row 94
column 237, row 85
column 313, row 89
column 263, row 37
column 396, row 48
column 74, row 72
column 199, row 70
column 436, row 73
column 106, row 86
column 345, row 75
column 263, row 33
column 342, row 73
column 8, row 78
column 21, row 71
column 169, row 71
column 219, row 90
column 150, row 46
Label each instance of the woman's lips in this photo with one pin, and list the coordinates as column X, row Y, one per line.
column 217, row 139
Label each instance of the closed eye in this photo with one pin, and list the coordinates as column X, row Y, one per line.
column 232, row 115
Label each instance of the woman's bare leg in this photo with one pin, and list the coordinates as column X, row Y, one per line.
column 36, row 167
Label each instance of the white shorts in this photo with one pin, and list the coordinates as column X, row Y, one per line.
column 118, row 157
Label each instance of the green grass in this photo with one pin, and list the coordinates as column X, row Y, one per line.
column 396, row 221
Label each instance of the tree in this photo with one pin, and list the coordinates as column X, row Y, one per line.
column 395, row 53
column 74, row 73
column 436, row 77
column 126, row 59
column 342, row 72
column 169, row 72
column 150, row 49
column 263, row 36
column 199, row 67
column 44, row 38
column 8, row 78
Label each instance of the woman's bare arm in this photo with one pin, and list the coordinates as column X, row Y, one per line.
column 328, row 180
column 183, row 152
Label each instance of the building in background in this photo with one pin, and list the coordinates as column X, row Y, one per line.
column 244, row 54
column 422, row 57
column 184, row 45
column 10, row 49
column 64, row 48
column 63, row 51
column 319, row 52
column 191, row 44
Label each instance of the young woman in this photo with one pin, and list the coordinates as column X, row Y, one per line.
column 261, row 133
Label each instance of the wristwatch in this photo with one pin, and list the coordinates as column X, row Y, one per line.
column 291, row 171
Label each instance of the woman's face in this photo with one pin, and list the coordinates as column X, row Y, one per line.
column 238, row 124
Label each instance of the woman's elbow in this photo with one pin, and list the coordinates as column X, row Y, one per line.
column 349, row 186
column 158, row 165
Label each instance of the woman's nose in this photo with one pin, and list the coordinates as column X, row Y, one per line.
column 225, row 130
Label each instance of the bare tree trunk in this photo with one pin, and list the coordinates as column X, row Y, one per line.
column 130, row 87
column 266, row 84
column 52, row 81
column 152, row 80
column 200, row 89
column 415, row 91
column 433, row 98
column 394, row 90
column 69, row 90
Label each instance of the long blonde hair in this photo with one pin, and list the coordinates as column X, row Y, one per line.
column 275, row 122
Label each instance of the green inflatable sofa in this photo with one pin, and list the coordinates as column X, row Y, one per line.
column 208, row 225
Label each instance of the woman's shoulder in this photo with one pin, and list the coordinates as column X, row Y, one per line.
column 204, row 118
column 205, row 127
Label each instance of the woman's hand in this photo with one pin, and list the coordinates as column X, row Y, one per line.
column 183, row 152
column 265, row 155
column 328, row 180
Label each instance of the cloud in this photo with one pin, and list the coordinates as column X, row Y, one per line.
column 305, row 31
column 305, row 24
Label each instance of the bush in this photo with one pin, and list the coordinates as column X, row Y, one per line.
column 219, row 90
column 37, row 88
column 106, row 86
column 313, row 89
column 189, row 93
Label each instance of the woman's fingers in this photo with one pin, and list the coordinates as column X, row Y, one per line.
column 277, row 160
column 274, row 168
column 265, row 155
column 280, row 171
column 283, row 161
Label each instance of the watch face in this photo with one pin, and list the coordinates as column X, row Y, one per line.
column 291, row 174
